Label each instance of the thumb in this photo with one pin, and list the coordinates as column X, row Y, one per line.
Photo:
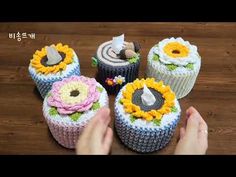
column 192, row 123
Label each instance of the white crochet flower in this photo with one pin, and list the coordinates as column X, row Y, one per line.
column 119, row 80
column 176, row 51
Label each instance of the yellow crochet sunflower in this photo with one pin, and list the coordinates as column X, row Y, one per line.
column 40, row 68
column 129, row 107
column 176, row 49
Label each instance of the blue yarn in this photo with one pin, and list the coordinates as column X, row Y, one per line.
column 142, row 139
column 45, row 85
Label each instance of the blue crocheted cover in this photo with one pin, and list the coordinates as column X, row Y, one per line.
column 142, row 139
column 44, row 84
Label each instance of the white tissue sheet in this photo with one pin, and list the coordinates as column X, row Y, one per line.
column 53, row 56
column 147, row 97
column 117, row 43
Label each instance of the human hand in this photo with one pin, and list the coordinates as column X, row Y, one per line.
column 193, row 136
column 96, row 137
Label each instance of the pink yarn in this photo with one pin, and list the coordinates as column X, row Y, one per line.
column 64, row 108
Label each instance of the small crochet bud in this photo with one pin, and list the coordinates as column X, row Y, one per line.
column 133, row 46
column 127, row 53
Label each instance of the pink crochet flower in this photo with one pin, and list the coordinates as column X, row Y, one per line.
column 55, row 99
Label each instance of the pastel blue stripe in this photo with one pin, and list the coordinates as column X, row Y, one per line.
column 142, row 139
column 45, row 85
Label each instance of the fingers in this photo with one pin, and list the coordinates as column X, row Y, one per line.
column 100, row 128
column 188, row 113
column 182, row 132
column 203, row 134
column 203, row 124
column 100, row 116
column 203, row 139
column 193, row 136
column 191, row 110
column 107, row 140
column 95, row 134
column 183, row 129
column 192, row 123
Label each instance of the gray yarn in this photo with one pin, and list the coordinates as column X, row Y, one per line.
column 136, row 99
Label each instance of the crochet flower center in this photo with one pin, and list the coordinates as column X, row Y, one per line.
column 176, row 50
column 133, row 105
column 136, row 99
column 39, row 60
column 74, row 93
column 45, row 59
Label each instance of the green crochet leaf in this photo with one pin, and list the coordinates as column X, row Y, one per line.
column 75, row 116
column 94, row 62
column 189, row 66
column 100, row 89
column 156, row 57
column 171, row 67
column 157, row 122
column 132, row 118
column 96, row 106
column 174, row 109
column 53, row 111
column 134, row 59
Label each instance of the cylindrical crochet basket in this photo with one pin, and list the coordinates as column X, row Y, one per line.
column 145, row 129
column 70, row 105
column 110, row 67
column 176, row 63
column 44, row 75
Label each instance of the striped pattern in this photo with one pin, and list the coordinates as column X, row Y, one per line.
column 130, row 72
column 44, row 84
column 67, row 133
column 110, row 65
column 140, row 137
column 181, row 82
column 106, row 55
